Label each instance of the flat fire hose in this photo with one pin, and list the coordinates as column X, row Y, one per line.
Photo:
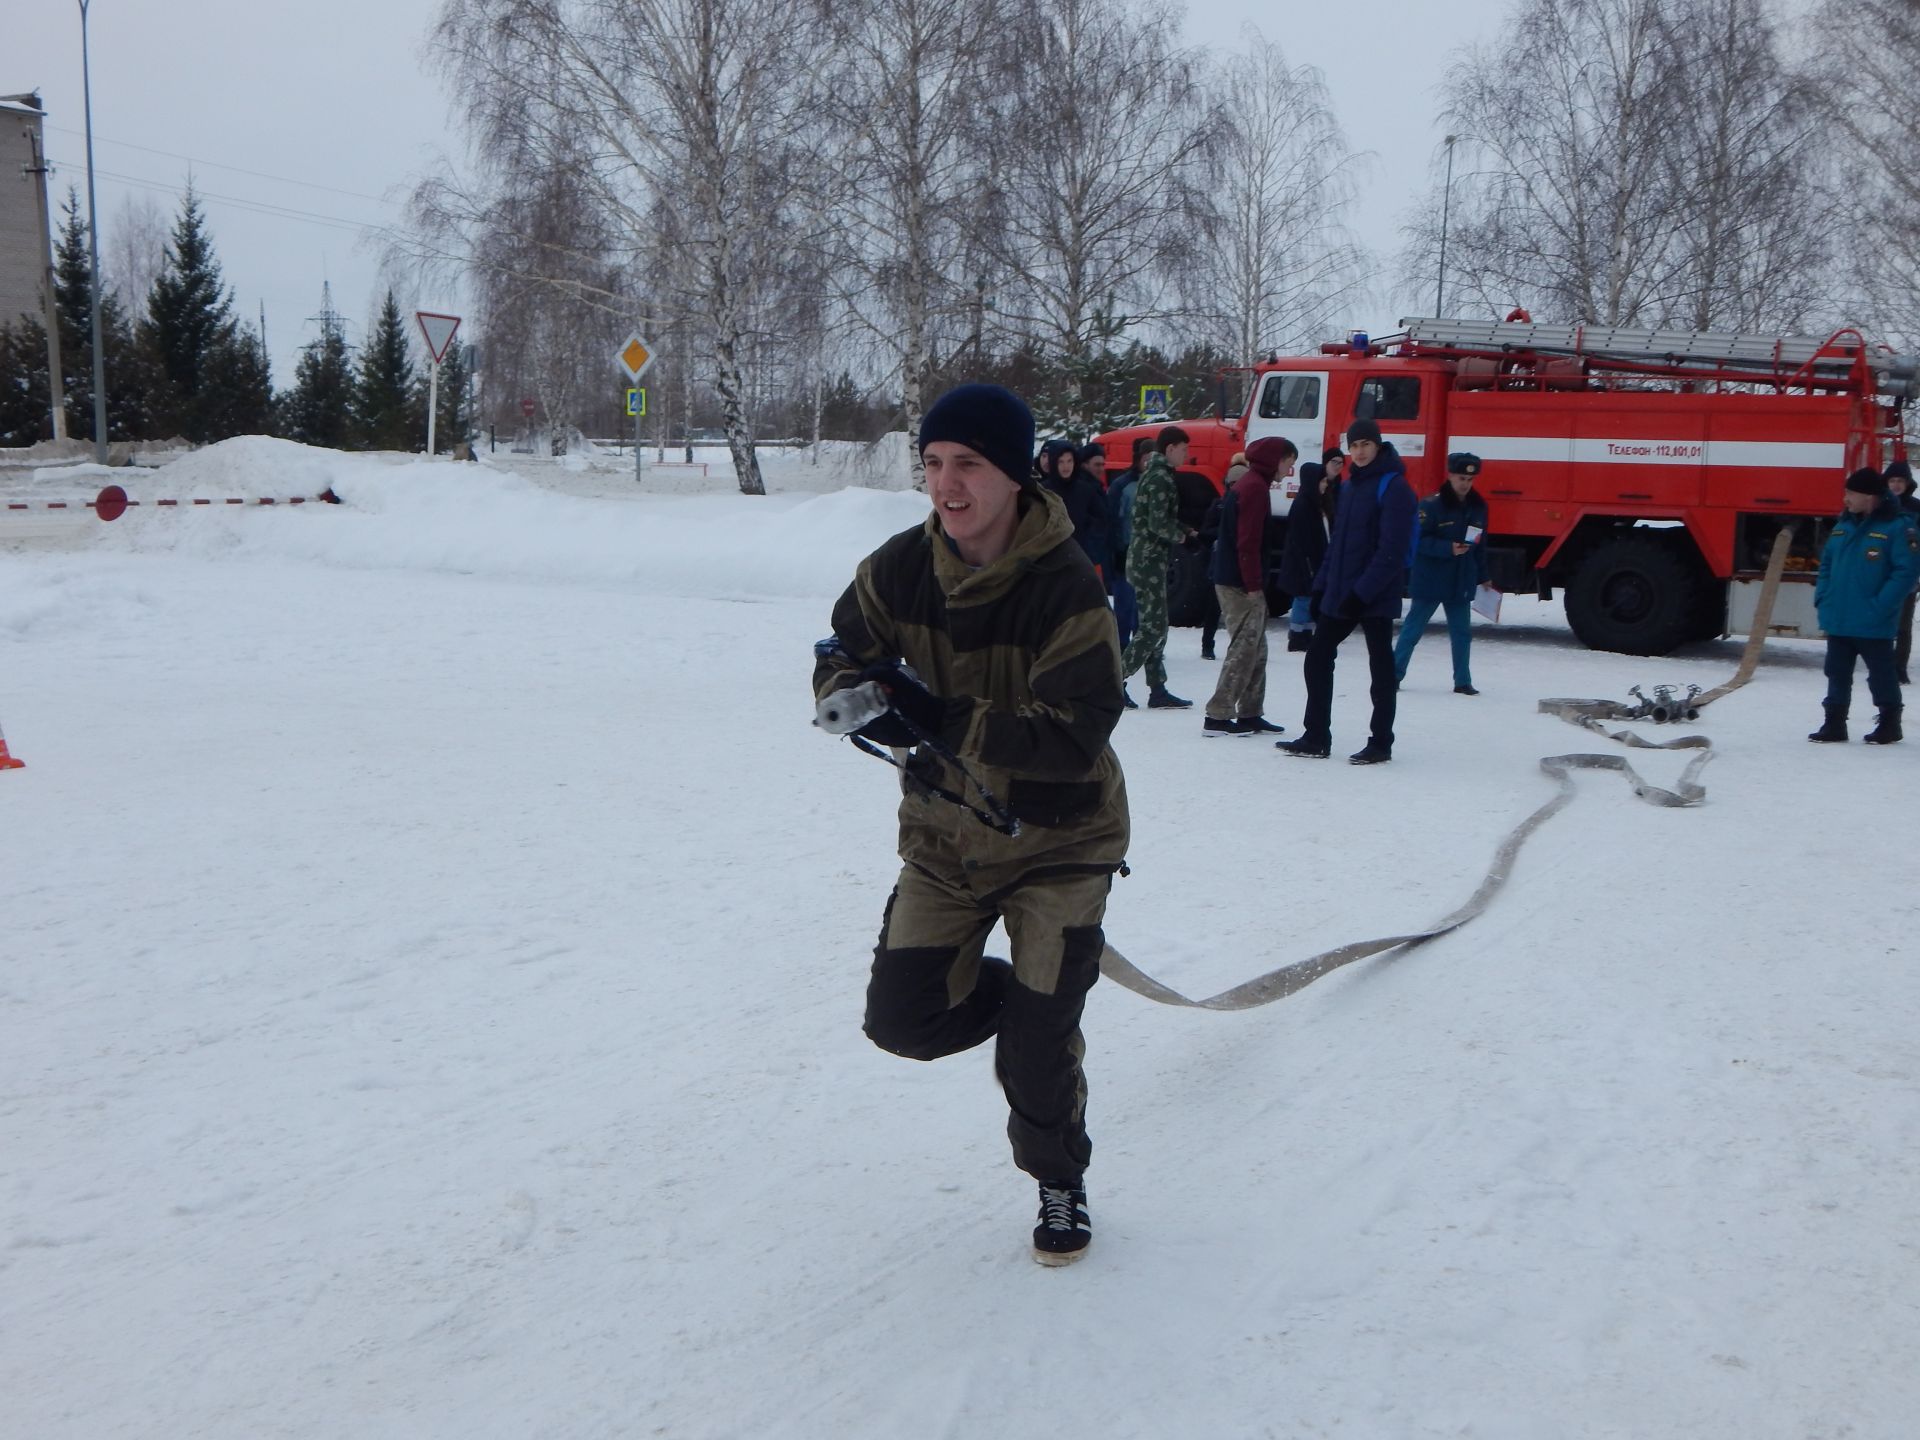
column 1590, row 714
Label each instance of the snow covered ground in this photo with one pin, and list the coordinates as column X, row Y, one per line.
column 430, row 1004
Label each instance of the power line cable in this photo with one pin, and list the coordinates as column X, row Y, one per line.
column 258, row 207
column 216, row 165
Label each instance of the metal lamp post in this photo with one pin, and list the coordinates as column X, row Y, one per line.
column 1446, row 206
column 93, row 248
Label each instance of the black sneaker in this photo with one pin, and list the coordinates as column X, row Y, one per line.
column 1260, row 725
column 1206, row 653
column 1214, row 727
column 1161, row 698
column 1465, row 690
column 1311, row 749
column 1372, row 755
column 1127, row 702
column 1064, row 1231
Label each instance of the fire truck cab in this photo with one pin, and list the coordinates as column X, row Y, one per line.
column 1644, row 473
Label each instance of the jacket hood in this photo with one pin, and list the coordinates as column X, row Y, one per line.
column 1266, row 454
column 1050, row 454
column 1043, row 528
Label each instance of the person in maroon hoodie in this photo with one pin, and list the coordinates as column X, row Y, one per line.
column 1240, row 580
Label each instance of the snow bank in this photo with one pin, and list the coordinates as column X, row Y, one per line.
column 409, row 513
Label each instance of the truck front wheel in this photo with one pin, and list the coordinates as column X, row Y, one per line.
column 1637, row 594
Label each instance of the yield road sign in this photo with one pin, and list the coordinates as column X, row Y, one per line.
column 637, row 402
column 437, row 331
column 634, row 356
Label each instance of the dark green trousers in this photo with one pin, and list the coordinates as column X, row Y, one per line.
column 934, row 992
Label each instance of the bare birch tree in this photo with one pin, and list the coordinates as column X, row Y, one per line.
column 1651, row 162
column 684, row 121
column 550, row 300
column 908, row 120
column 136, row 249
column 1754, row 231
column 1096, row 171
column 1868, row 56
column 1280, row 262
column 1566, row 122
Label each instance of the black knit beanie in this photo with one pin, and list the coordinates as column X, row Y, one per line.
column 1867, row 482
column 988, row 419
column 1899, row 470
column 1363, row 430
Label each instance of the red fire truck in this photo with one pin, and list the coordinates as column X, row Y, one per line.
column 1643, row 472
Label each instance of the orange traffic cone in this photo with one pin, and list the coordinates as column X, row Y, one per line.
column 7, row 762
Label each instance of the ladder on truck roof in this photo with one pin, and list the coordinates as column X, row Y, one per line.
column 1831, row 360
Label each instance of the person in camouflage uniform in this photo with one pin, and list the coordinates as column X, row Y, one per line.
column 1014, row 686
column 1156, row 530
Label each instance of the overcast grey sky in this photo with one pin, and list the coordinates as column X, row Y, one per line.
column 298, row 120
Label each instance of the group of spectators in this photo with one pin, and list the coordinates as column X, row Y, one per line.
column 1354, row 531
column 1358, row 539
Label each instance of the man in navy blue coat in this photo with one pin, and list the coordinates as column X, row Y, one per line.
column 1449, row 564
column 1358, row 586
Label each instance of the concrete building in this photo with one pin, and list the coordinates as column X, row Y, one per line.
column 22, row 238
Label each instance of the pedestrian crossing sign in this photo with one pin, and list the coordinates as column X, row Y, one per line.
column 637, row 401
column 1156, row 399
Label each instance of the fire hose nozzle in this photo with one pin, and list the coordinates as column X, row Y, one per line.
column 845, row 711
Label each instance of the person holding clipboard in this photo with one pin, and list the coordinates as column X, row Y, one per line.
column 1449, row 565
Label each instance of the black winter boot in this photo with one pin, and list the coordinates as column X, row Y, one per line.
column 1835, row 730
column 1161, row 698
column 1064, row 1231
column 1887, row 732
column 1299, row 640
column 1306, row 745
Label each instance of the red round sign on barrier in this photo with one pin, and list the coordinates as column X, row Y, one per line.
column 110, row 503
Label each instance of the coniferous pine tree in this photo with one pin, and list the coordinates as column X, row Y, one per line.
column 25, row 404
column 383, row 391
column 239, row 388
column 189, row 323
column 318, row 410
column 130, row 378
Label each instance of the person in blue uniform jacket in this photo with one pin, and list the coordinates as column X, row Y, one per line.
column 1867, row 570
column 1449, row 564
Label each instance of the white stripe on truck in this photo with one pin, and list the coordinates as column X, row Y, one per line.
column 1742, row 454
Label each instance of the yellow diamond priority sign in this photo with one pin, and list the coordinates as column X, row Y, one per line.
column 634, row 356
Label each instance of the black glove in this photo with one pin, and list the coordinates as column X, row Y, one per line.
column 1353, row 608
column 910, row 698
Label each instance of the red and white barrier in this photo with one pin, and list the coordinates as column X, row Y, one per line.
column 112, row 502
